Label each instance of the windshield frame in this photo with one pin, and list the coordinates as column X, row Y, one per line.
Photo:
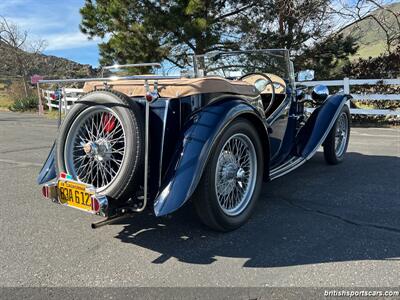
column 282, row 54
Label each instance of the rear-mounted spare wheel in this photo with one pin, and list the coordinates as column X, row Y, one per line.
column 101, row 142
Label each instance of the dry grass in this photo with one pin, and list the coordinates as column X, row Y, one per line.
column 52, row 114
column 5, row 101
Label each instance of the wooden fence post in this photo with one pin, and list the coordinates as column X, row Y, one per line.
column 41, row 110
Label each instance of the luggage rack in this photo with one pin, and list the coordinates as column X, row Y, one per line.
column 150, row 97
column 116, row 66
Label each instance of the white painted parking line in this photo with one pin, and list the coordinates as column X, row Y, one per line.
column 20, row 163
column 356, row 133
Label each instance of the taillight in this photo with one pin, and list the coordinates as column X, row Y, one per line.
column 99, row 204
column 45, row 191
column 95, row 204
column 149, row 97
column 49, row 190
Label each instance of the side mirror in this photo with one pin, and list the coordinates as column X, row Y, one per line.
column 320, row 93
column 305, row 75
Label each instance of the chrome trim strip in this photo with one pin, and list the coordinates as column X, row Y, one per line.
column 146, row 155
column 297, row 163
column 286, row 103
column 116, row 66
column 294, row 163
column 106, row 79
column 59, row 110
column 286, row 51
column 163, row 139
column 286, row 167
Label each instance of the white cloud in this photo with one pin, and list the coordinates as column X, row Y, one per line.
column 62, row 41
column 4, row 5
column 54, row 33
column 60, row 30
column 34, row 25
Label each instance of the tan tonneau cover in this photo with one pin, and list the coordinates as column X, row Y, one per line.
column 174, row 88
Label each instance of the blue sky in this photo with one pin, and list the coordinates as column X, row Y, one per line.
column 57, row 22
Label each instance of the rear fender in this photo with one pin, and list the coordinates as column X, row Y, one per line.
column 198, row 139
column 321, row 121
column 48, row 171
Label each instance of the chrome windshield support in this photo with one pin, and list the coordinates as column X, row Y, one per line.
column 156, row 65
column 146, row 155
column 149, row 98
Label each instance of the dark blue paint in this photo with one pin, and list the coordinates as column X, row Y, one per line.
column 48, row 171
column 191, row 129
column 323, row 119
column 199, row 137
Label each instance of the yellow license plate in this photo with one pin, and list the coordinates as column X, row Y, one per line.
column 75, row 194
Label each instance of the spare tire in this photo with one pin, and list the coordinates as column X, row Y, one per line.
column 101, row 142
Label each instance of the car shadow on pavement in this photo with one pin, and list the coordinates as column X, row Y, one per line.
column 316, row 214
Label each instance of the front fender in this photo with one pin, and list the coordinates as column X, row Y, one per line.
column 198, row 140
column 320, row 123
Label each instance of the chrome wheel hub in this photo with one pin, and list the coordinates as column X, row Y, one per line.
column 240, row 174
column 100, row 150
column 236, row 174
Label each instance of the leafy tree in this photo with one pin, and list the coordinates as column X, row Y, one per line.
column 145, row 30
column 387, row 65
column 286, row 23
column 303, row 26
column 327, row 57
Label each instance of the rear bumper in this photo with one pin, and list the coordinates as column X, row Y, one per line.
column 100, row 205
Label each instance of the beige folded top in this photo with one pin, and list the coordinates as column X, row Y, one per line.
column 174, row 88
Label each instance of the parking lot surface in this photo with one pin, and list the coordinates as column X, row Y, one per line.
column 320, row 225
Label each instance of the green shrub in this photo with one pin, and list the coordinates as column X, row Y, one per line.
column 25, row 104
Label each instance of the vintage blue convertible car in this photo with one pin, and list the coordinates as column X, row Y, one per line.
column 211, row 136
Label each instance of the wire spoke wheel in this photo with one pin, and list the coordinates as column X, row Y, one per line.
column 236, row 174
column 341, row 134
column 337, row 140
column 95, row 147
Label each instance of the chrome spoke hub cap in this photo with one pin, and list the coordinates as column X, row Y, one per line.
column 236, row 174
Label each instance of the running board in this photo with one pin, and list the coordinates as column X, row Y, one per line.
column 287, row 167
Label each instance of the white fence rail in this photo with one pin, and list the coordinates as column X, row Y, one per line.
column 346, row 85
column 69, row 95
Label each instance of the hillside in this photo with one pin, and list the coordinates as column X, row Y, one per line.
column 45, row 65
column 371, row 38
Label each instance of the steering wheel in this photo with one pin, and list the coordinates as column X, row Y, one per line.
column 262, row 86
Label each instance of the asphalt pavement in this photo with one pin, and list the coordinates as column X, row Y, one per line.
column 319, row 226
